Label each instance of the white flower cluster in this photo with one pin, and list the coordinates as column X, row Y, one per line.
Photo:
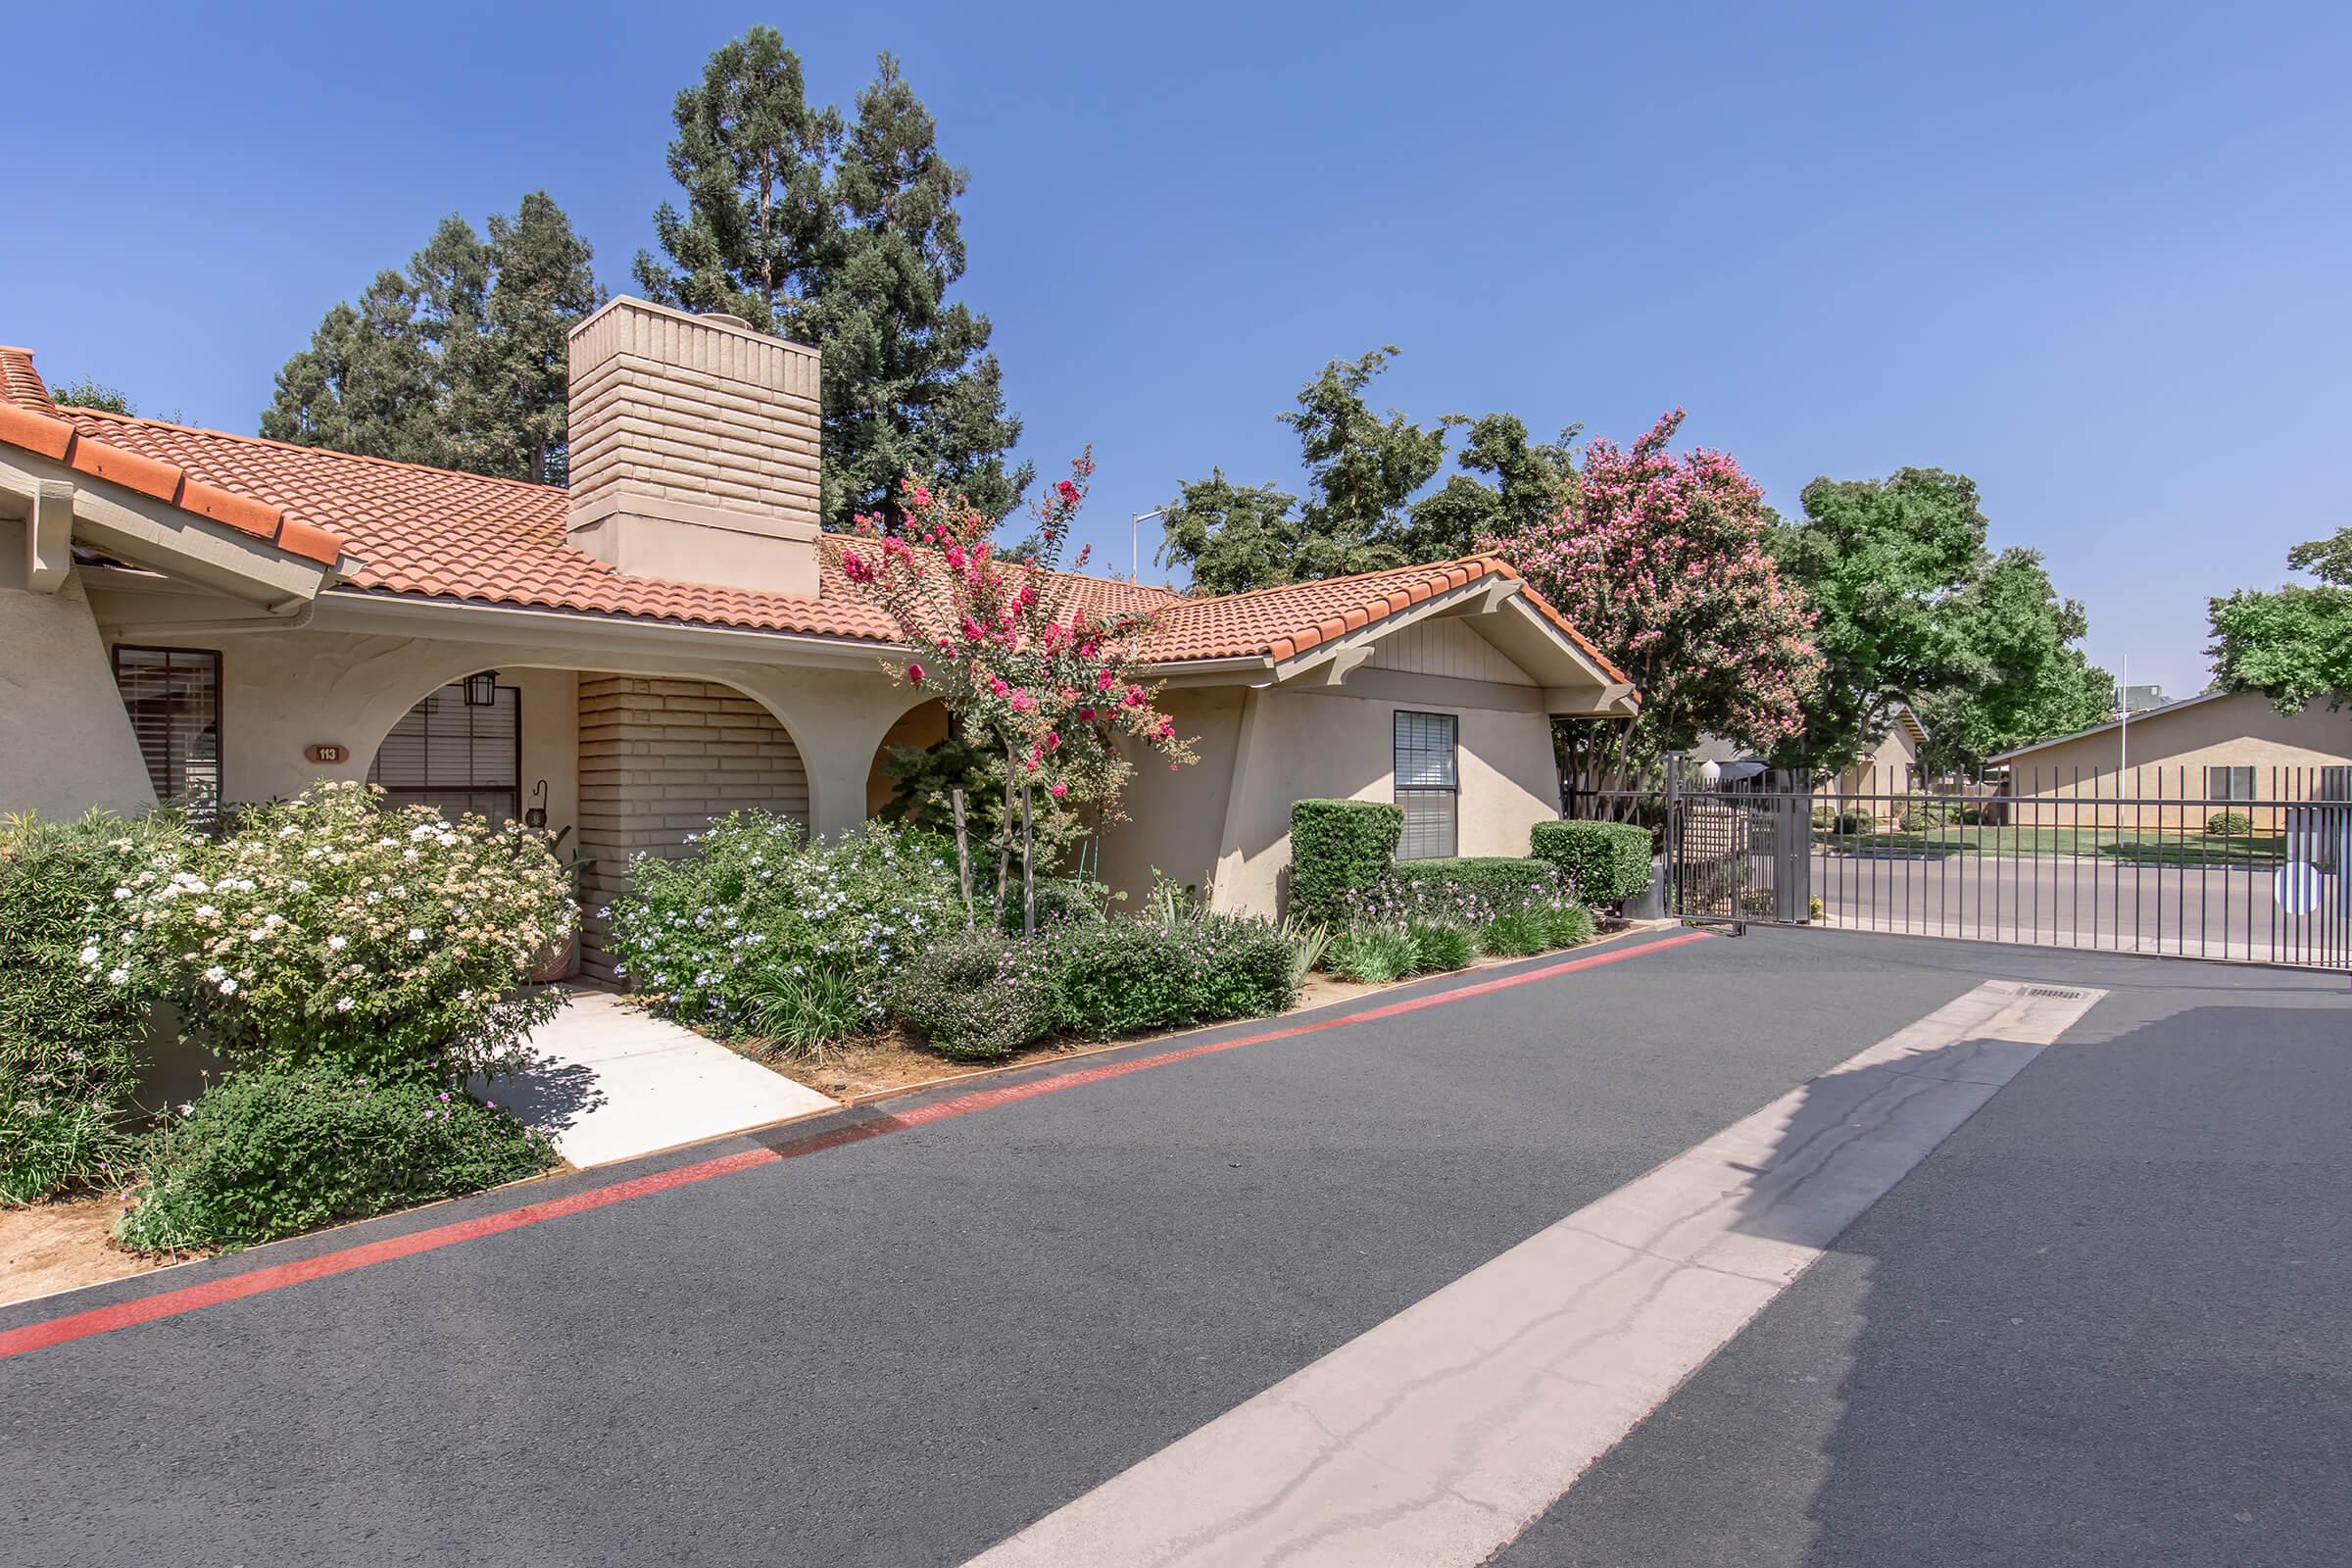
column 756, row 904
column 330, row 911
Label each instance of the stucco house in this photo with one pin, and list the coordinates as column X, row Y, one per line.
column 2175, row 765
column 184, row 612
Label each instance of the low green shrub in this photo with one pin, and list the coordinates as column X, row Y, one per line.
column 1607, row 863
column 975, row 996
column 1496, row 879
column 1440, row 946
column 1337, row 848
column 1117, row 977
column 276, row 1150
column 1825, row 818
column 70, row 1036
column 2229, row 825
column 1242, row 967
column 1374, row 952
column 753, row 908
column 1517, row 933
column 1060, row 898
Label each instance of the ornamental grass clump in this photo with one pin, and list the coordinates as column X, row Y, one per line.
column 332, row 929
column 69, row 1055
column 1440, row 946
column 1373, row 952
column 728, row 936
column 277, row 1150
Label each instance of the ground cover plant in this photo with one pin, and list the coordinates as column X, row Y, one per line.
column 757, row 930
column 69, row 1049
column 280, row 1150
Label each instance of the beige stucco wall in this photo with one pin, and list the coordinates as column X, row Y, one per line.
column 285, row 691
column 1224, row 824
column 65, row 745
column 2167, row 752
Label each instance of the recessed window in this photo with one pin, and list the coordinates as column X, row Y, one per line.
column 2230, row 783
column 455, row 755
column 172, row 697
column 1428, row 784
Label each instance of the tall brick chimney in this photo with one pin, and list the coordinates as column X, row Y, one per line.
column 694, row 449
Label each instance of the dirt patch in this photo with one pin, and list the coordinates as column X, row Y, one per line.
column 860, row 1069
column 56, row 1247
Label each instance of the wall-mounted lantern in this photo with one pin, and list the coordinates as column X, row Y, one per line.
column 481, row 691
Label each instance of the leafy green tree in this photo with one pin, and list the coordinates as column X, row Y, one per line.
column 2293, row 645
column 83, row 393
column 458, row 362
column 841, row 233
column 2330, row 560
column 1363, row 470
column 1533, row 483
column 2026, row 679
column 1237, row 537
column 1881, row 561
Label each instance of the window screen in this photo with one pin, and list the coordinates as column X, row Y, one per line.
column 457, row 759
column 1427, row 786
column 2230, row 783
column 172, row 697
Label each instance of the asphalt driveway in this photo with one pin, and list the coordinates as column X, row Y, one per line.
column 902, row 1348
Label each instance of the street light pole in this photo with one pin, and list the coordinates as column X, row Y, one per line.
column 1135, row 529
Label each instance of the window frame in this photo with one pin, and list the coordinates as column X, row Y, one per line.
column 1450, row 791
column 398, row 795
column 219, row 723
column 2227, row 794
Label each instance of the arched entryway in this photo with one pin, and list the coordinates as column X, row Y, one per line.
column 924, row 725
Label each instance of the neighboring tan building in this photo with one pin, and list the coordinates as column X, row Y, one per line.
column 2174, row 766
column 187, row 612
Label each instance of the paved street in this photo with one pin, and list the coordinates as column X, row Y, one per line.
column 2103, row 1320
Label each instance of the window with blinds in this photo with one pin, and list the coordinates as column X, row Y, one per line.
column 2229, row 784
column 172, row 698
column 456, row 758
column 1427, row 786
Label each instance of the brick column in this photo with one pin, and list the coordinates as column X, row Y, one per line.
column 658, row 758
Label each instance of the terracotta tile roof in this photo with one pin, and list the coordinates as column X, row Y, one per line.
column 416, row 530
column 1282, row 623
column 30, row 420
column 21, row 384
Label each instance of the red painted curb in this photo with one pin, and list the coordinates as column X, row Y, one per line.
column 278, row 1276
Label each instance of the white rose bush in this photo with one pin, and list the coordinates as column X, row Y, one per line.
column 332, row 929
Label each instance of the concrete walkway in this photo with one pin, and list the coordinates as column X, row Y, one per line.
column 614, row 1082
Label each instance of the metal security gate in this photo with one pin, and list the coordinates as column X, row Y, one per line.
column 2240, row 863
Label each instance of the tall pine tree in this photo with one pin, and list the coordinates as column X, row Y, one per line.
column 458, row 362
column 841, row 233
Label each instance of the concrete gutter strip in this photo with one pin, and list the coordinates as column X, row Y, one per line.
column 1438, row 1437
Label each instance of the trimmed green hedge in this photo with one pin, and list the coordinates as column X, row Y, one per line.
column 1608, row 861
column 1337, row 848
column 1496, row 878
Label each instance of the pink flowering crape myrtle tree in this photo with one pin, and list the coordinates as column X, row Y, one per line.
column 1661, row 560
column 1015, row 653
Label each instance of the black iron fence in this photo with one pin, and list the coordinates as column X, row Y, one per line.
column 2245, row 863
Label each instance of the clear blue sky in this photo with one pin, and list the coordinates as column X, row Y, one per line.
column 2096, row 258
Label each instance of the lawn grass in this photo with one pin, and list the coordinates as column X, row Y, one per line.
column 2175, row 847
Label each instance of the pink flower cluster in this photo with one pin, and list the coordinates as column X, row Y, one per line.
column 1023, row 655
column 1661, row 562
